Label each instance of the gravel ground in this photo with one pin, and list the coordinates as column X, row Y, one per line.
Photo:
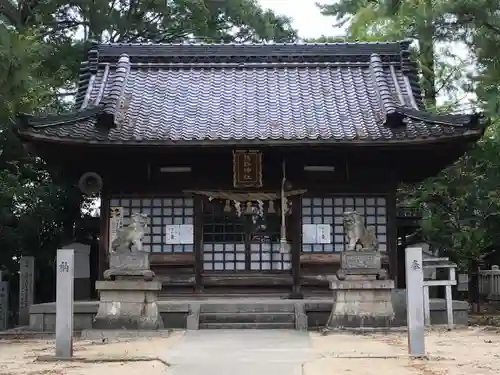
column 468, row 351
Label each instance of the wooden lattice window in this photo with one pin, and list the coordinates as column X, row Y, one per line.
column 223, row 238
column 161, row 212
column 220, row 226
column 265, row 257
column 238, row 243
column 330, row 211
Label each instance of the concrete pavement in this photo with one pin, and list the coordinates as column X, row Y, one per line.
column 242, row 352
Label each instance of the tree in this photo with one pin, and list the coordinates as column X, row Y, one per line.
column 41, row 46
column 424, row 21
column 66, row 26
column 461, row 204
column 477, row 24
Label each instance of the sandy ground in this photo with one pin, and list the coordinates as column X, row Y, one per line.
column 19, row 357
column 460, row 352
column 468, row 351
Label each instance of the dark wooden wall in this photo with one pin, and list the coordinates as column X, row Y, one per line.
column 360, row 170
column 140, row 176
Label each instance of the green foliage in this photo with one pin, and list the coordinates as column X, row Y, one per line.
column 478, row 25
column 461, row 204
column 30, row 203
column 420, row 20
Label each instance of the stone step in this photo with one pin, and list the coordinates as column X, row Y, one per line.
column 247, row 326
column 249, row 307
column 279, row 317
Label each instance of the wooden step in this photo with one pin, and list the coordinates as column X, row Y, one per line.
column 248, row 307
column 247, row 326
column 280, row 317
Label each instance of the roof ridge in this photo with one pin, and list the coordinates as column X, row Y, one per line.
column 233, row 50
column 381, row 84
column 401, row 43
column 114, row 102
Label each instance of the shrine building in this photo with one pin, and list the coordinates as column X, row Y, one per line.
column 209, row 140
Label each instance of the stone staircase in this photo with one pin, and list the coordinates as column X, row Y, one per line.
column 245, row 315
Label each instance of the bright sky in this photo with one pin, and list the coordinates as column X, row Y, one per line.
column 306, row 16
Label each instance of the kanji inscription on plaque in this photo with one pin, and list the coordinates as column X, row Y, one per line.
column 247, row 168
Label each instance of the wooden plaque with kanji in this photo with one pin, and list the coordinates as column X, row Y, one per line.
column 247, row 168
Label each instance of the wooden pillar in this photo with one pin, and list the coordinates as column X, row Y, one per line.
column 104, row 235
column 296, row 240
column 198, row 243
column 401, row 280
column 392, row 240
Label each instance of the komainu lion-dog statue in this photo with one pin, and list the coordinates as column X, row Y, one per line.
column 129, row 238
column 357, row 234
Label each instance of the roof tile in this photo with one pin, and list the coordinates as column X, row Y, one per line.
column 192, row 101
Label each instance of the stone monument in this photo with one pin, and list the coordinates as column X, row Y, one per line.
column 26, row 288
column 362, row 292
column 128, row 295
column 82, row 270
column 4, row 303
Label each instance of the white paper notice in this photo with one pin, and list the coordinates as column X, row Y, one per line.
column 172, row 234
column 323, row 233
column 309, row 233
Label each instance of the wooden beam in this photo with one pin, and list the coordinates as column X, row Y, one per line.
column 104, row 235
column 314, row 280
column 181, row 279
column 320, row 258
column 172, row 259
column 392, row 233
column 246, row 279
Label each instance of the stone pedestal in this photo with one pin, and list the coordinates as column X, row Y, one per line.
column 128, row 304
column 365, row 264
column 362, row 295
column 129, row 266
column 128, row 296
column 361, row 303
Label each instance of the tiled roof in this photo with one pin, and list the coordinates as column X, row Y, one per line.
column 164, row 94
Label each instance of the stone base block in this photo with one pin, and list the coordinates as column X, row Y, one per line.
column 129, row 266
column 362, row 285
column 130, row 261
column 113, row 274
column 365, row 264
column 357, row 307
column 357, row 260
column 349, row 321
column 128, row 304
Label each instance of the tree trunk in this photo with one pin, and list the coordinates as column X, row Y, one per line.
column 425, row 35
